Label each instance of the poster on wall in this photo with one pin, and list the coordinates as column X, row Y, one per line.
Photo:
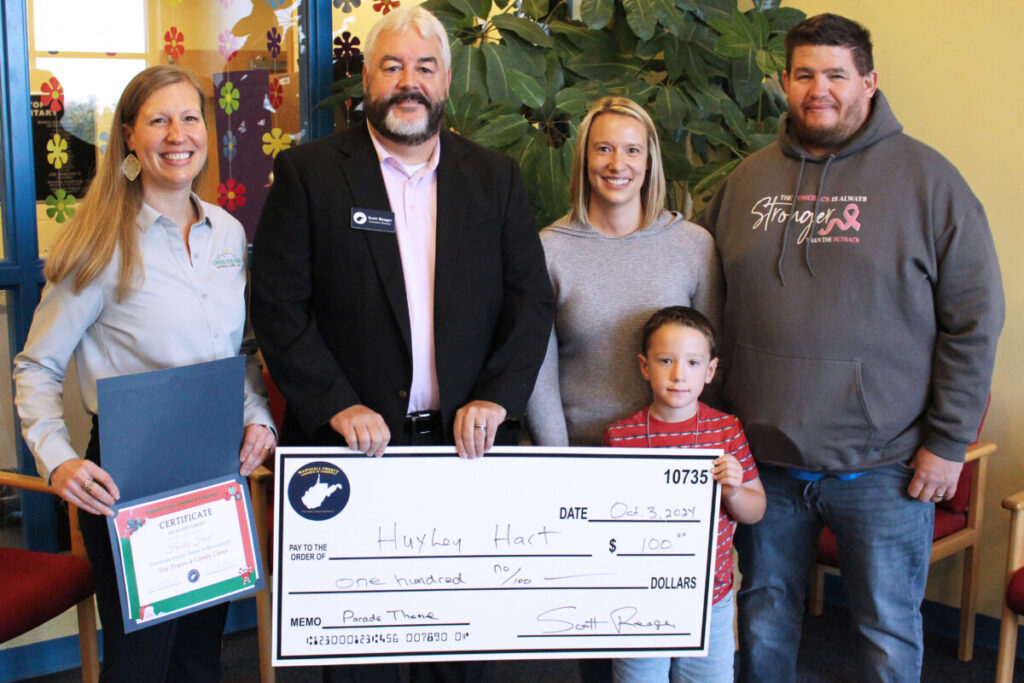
column 247, row 143
column 64, row 161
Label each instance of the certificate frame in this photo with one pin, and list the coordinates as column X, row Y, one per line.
column 346, row 553
column 208, row 532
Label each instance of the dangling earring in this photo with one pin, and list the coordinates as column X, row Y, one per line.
column 131, row 167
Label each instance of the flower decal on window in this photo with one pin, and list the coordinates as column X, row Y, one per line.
column 231, row 194
column 275, row 142
column 385, row 6
column 276, row 94
column 230, row 149
column 273, row 42
column 174, row 42
column 53, row 95
column 228, row 45
column 229, row 97
column 274, row 4
column 60, row 206
column 347, row 5
column 57, row 148
column 346, row 46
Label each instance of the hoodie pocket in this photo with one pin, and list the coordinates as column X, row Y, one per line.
column 801, row 412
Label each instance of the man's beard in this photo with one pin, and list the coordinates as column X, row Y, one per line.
column 378, row 112
column 833, row 137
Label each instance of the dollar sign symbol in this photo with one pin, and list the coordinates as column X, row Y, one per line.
column 611, row 545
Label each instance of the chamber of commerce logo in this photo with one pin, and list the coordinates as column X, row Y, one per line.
column 318, row 490
column 358, row 217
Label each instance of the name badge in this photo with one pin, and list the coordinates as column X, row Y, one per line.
column 371, row 219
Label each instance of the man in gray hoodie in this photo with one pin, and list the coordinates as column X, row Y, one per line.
column 863, row 306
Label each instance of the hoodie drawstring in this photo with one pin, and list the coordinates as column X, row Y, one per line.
column 792, row 211
column 789, row 220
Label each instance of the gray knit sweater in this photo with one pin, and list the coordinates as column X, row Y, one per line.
column 605, row 289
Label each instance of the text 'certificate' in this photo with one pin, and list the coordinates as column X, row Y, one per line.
column 524, row 553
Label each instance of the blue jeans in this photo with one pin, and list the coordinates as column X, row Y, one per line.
column 884, row 540
column 715, row 668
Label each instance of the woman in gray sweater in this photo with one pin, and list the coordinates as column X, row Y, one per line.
column 617, row 257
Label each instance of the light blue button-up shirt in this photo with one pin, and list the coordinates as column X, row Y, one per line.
column 184, row 311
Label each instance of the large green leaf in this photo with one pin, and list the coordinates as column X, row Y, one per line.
column 759, row 140
column 465, row 7
column 649, row 49
column 468, row 71
column 536, row 9
column 785, row 18
column 599, row 64
column 673, row 157
column 734, row 118
column 528, row 30
column 597, row 13
column 670, row 108
column 526, row 57
column 683, row 59
column 715, row 134
column 498, row 59
column 746, row 79
column 526, row 88
column 501, row 132
column 463, row 111
column 769, row 62
column 738, row 35
column 581, row 36
column 642, row 17
column 711, row 9
column 554, row 80
column 670, row 16
column 572, row 101
column 709, row 176
column 552, row 180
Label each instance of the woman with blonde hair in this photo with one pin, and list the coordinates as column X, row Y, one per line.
column 147, row 276
column 616, row 258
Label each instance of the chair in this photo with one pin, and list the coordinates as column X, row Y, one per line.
column 36, row 587
column 957, row 527
column 1013, row 604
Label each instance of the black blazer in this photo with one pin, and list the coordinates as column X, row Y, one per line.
column 328, row 300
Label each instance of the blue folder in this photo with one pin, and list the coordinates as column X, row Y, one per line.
column 165, row 429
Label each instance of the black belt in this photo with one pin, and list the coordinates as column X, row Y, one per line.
column 423, row 422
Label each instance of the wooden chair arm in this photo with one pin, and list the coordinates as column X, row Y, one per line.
column 980, row 449
column 1014, row 502
column 24, row 481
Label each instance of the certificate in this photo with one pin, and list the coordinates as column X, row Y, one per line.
column 183, row 551
column 524, row 553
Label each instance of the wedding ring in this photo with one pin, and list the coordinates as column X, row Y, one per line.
column 938, row 497
column 88, row 485
column 482, row 428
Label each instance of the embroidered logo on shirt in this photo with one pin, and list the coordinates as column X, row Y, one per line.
column 227, row 259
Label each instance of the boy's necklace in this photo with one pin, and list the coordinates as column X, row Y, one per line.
column 696, row 430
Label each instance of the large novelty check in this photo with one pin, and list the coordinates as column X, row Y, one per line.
column 525, row 553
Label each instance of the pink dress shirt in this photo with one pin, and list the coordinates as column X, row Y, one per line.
column 413, row 200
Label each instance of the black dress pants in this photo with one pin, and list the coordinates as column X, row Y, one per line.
column 183, row 649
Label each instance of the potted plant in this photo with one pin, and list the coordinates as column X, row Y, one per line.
column 524, row 73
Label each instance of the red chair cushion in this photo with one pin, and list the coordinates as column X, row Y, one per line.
column 1015, row 592
column 36, row 587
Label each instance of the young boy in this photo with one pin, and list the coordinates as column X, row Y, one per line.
column 678, row 358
